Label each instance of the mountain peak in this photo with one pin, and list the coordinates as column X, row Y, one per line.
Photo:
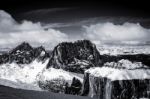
column 78, row 42
column 25, row 54
column 24, row 46
column 75, row 56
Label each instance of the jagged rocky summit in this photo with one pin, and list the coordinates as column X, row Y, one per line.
column 75, row 57
column 118, row 80
column 24, row 54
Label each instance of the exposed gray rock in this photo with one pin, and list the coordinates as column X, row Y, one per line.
column 24, row 54
column 104, row 88
column 75, row 57
column 130, row 82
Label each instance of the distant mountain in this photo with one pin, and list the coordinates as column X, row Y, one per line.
column 75, row 57
column 143, row 58
column 24, row 54
column 126, row 64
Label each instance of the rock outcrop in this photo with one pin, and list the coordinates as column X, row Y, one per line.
column 104, row 88
column 75, row 57
column 75, row 87
column 117, row 83
column 60, row 81
column 24, row 54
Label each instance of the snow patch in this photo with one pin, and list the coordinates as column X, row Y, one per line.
column 126, row 64
column 130, row 71
column 25, row 73
column 52, row 74
column 42, row 53
column 27, row 76
column 116, row 74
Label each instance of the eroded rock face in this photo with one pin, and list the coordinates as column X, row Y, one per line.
column 104, row 88
column 130, row 89
column 24, row 54
column 121, row 80
column 75, row 57
column 86, row 85
column 75, row 87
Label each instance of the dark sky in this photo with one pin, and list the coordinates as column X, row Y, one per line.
column 122, row 7
column 29, row 9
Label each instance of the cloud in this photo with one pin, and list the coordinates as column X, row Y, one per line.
column 12, row 32
column 111, row 32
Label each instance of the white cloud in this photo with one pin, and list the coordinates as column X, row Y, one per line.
column 12, row 32
column 111, row 32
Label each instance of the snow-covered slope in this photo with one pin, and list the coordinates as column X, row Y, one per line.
column 118, row 80
column 116, row 74
column 52, row 73
column 25, row 73
column 28, row 76
column 59, row 81
column 122, row 70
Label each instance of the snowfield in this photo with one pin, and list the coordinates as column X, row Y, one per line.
column 116, row 74
column 131, row 71
column 123, row 50
column 25, row 73
column 52, row 74
column 21, row 76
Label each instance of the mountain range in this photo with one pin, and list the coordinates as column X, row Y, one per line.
column 76, row 68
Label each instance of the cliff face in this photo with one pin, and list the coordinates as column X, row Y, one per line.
column 117, row 83
column 75, row 57
column 130, row 89
column 104, row 88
